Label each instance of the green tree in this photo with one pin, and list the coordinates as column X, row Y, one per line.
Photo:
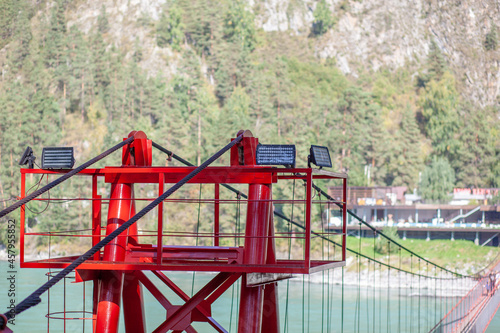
column 491, row 40
column 56, row 36
column 476, row 155
column 170, row 29
column 409, row 159
column 438, row 180
column 79, row 75
column 239, row 26
column 102, row 21
column 22, row 34
column 436, row 66
column 323, row 19
column 8, row 14
column 203, row 23
column 439, row 101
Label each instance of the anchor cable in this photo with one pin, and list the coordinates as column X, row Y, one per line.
column 59, row 180
column 282, row 216
column 34, row 298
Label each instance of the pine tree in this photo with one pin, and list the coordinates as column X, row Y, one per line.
column 323, row 19
column 475, row 157
column 239, row 26
column 438, row 180
column 409, row 161
column 439, row 101
column 170, row 29
column 8, row 14
column 56, row 37
column 491, row 41
column 22, row 34
column 102, row 21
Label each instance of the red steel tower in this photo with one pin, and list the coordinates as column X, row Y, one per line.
column 117, row 271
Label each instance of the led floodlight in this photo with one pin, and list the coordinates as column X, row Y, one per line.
column 57, row 158
column 276, row 155
column 27, row 158
column 320, row 156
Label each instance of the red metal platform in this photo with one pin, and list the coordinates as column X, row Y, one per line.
column 256, row 261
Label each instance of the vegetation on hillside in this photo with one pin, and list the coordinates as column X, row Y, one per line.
column 62, row 86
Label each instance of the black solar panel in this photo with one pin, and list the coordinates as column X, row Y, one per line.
column 320, row 156
column 276, row 155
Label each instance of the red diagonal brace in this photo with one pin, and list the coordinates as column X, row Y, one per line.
column 216, row 294
column 158, row 295
column 153, row 290
column 225, row 286
column 163, row 278
column 190, row 305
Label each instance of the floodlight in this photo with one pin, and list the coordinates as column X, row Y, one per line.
column 57, row 158
column 27, row 158
column 319, row 156
column 276, row 155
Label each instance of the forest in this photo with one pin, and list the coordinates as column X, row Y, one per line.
column 60, row 86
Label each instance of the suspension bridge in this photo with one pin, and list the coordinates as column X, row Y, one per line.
column 258, row 226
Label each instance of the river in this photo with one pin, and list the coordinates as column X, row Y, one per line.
column 306, row 307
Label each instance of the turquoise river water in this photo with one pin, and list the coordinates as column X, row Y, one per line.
column 306, row 311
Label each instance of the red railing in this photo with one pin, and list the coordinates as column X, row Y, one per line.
column 215, row 255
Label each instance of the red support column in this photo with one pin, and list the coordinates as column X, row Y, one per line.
column 108, row 309
column 256, row 232
column 96, row 216
column 22, row 218
column 270, row 311
column 344, row 217
column 216, row 216
column 133, row 303
column 159, row 240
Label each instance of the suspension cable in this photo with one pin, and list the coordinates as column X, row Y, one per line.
column 383, row 235
column 63, row 178
column 280, row 215
column 34, row 298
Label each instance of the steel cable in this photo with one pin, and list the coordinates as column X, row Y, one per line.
column 34, row 298
column 282, row 216
column 59, row 180
column 383, row 235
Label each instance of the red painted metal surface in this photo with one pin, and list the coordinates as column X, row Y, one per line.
column 256, row 241
column 117, row 271
column 108, row 310
column 270, row 309
column 111, row 282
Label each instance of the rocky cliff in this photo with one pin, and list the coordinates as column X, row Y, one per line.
column 367, row 34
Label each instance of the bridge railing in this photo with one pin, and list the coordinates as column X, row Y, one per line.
column 466, row 312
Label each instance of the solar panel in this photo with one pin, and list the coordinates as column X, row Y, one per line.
column 276, row 155
column 320, row 156
column 57, row 158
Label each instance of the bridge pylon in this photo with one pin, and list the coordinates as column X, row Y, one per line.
column 119, row 270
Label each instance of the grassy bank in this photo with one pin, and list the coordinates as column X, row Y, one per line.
column 460, row 255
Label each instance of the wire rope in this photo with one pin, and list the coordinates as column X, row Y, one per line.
column 276, row 213
column 399, row 293
column 197, row 238
column 419, row 296
column 374, row 281
column 289, row 256
column 389, row 287
column 63, row 178
column 34, row 298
